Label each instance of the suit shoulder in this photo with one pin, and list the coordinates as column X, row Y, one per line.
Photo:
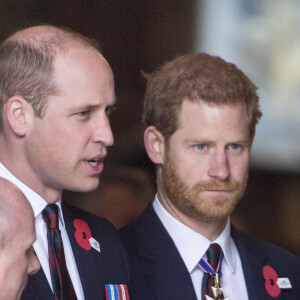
column 261, row 247
column 127, row 234
column 147, row 234
column 128, row 229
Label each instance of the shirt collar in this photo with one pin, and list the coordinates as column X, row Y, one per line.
column 191, row 244
column 60, row 214
column 36, row 201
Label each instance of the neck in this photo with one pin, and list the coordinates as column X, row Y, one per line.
column 211, row 229
column 32, row 181
column 13, row 158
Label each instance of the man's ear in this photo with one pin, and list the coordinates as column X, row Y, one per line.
column 16, row 110
column 154, row 144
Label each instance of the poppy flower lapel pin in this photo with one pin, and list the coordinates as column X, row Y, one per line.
column 273, row 284
column 83, row 236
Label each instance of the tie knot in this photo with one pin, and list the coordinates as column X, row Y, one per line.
column 213, row 255
column 50, row 216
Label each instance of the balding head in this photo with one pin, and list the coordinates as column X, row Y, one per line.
column 60, row 39
column 27, row 63
column 13, row 205
column 17, row 233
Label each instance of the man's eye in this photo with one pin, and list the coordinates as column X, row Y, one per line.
column 110, row 110
column 83, row 114
column 235, row 146
column 201, row 147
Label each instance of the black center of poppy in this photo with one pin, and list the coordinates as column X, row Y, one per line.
column 84, row 235
column 272, row 282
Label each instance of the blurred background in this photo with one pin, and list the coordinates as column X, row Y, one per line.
column 261, row 37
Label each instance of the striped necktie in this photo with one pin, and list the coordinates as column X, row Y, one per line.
column 212, row 269
column 62, row 285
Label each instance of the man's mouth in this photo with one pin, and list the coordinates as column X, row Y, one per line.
column 94, row 162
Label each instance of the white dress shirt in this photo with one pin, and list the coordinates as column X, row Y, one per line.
column 192, row 246
column 41, row 244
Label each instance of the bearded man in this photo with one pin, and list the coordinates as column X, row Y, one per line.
column 201, row 113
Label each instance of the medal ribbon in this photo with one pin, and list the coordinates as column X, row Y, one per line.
column 207, row 268
column 116, row 292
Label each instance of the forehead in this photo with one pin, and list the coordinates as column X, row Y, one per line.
column 84, row 71
column 199, row 118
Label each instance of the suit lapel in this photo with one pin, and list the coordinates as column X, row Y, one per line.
column 90, row 275
column 162, row 264
column 253, row 262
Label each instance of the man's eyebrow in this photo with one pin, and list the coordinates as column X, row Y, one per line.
column 240, row 141
column 84, row 107
column 88, row 106
column 195, row 140
column 199, row 140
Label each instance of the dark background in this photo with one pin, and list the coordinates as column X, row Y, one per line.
column 140, row 35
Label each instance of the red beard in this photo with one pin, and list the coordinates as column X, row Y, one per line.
column 196, row 201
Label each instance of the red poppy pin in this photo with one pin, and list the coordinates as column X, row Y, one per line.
column 271, row 278
column 82, row 234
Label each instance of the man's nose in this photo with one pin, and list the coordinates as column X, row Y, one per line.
column 218, row 167
column 103, row 133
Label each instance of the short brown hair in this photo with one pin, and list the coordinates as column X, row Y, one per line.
column 27, row 65
column 196, row 77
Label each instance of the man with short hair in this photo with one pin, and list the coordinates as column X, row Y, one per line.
column 201, row 113
column 17, row 233
column 56, row 94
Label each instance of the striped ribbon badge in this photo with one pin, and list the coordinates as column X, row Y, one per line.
column 116, row 292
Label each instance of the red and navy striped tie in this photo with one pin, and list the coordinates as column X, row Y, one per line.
column 62, row 285
column 213, row 254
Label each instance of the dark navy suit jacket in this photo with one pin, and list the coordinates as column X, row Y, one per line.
column 158, row 271
column 95, row 269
